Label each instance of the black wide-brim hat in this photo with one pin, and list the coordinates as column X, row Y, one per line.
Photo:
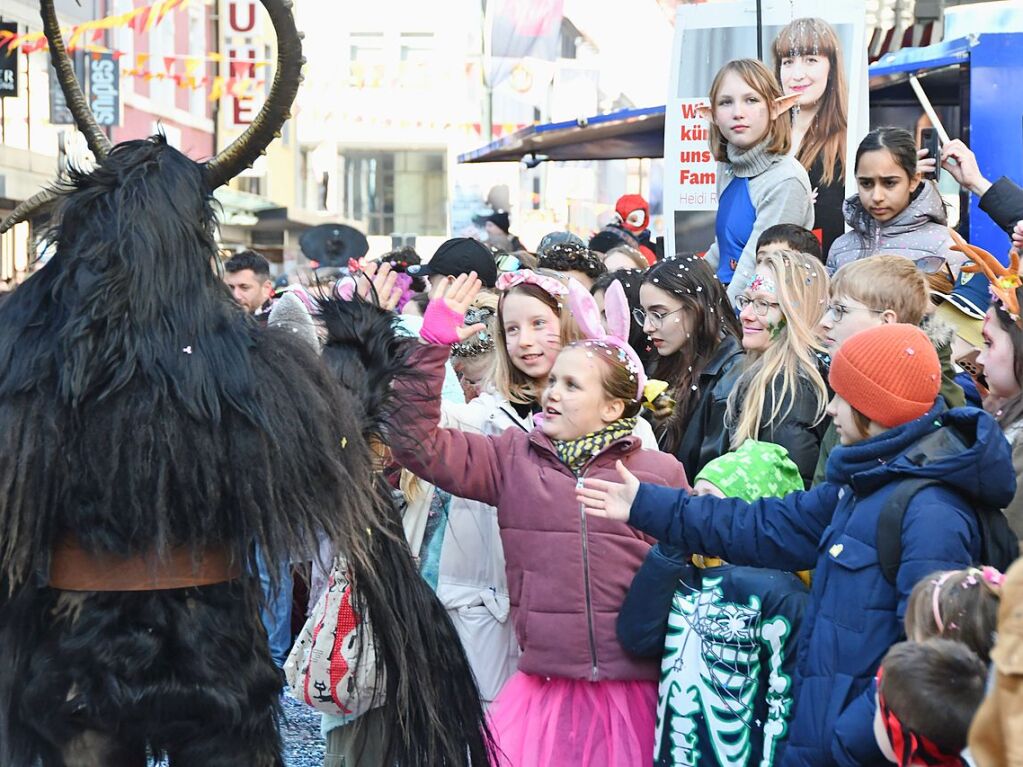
column 333, row 244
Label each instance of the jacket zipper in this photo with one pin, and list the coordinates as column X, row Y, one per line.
column 586, row 565
column 586, row 586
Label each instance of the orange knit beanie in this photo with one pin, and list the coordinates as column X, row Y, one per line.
column 890, row 373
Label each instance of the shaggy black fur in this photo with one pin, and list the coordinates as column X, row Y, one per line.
column 172, row 671
column 140, row 409
column 432, row 710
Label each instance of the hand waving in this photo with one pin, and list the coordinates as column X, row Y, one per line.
column 609, row 499
column 379, row 280
column 444, row 321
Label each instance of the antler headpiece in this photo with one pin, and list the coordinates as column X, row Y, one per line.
column 1005, row 280
column 614, row 340
column 228, row 163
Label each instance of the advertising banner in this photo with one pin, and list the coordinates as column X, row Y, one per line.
column 815, row 49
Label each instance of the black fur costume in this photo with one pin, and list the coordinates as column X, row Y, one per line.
column 142, row 411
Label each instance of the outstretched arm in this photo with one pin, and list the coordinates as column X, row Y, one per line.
column 782, row 533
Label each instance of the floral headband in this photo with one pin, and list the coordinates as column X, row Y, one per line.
column 549, row 285
column 1005, row 280
column 482, row 342
column 615, row 342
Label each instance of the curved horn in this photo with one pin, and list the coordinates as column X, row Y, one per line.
column 27, row 208
column 245, row 149
column 76, row 101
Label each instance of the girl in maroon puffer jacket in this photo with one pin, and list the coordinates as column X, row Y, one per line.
column 578, row 697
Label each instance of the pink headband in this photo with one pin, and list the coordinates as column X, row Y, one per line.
column 549, row 285
column 616, row 309
column 989, row 574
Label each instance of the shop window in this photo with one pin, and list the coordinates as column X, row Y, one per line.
column 402, row 192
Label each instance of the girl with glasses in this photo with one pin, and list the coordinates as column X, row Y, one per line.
column 781, row 395
column 694, row 331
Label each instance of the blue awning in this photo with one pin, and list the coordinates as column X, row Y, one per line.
column 618, row 135
column 909, row 61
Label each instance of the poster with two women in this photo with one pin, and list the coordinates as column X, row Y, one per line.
column 817, row 54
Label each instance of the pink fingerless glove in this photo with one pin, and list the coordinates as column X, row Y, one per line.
column 441, row 323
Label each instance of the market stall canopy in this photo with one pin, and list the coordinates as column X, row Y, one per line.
column 618, row 135
column 632, row 133
column 896, row 67
column 240, row 208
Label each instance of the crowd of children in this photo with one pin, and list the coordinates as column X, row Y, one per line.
column 731, row 508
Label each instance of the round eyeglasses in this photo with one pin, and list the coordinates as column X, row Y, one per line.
column 761, row 306
column 655, row 319
column 838, row 311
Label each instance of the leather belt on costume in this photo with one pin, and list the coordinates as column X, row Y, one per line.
column 72, row 568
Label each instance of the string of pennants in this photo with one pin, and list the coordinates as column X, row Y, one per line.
column 87, row 36
column 140, row 19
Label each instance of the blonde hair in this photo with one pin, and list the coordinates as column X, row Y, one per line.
column 802, row 292
column 826, row 136
column 885, row 282
column 760, row 79
column 510, row 382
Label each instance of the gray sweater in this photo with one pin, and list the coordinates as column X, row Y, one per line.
column 780, row 192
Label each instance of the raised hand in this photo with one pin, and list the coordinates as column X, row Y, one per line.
column 611, row 500
column 379, row 280
column 961, row 163
column 1017, row 236
column 444, row 321
column 925, row 164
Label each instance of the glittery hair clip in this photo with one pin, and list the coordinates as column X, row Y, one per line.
column 482, row 342
column 614, row 341
column 1005, row 280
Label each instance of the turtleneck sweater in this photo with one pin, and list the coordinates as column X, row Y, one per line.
column 779, row 192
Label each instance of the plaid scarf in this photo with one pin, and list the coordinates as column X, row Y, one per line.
column 576, row 452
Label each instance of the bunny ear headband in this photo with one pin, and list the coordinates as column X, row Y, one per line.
column 615, row 341
column 550, row 285
column 1005, row 280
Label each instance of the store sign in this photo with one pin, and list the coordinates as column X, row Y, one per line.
column 242, row 34
column 8, row 63
column 104, row 90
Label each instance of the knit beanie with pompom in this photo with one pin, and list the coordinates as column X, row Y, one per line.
column 890, row 373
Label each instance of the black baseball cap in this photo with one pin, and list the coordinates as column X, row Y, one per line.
column 460, row 255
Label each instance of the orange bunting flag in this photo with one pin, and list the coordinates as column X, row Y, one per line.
column 217, row 91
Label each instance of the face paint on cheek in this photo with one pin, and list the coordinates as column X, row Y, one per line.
column 776, row 329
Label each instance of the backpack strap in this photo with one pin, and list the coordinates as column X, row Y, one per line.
column 889, row 525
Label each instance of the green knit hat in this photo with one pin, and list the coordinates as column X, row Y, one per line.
column 755, row 470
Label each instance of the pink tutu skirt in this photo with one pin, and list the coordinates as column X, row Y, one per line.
column 541, row 722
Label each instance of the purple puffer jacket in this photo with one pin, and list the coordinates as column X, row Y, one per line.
column 568, row 573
